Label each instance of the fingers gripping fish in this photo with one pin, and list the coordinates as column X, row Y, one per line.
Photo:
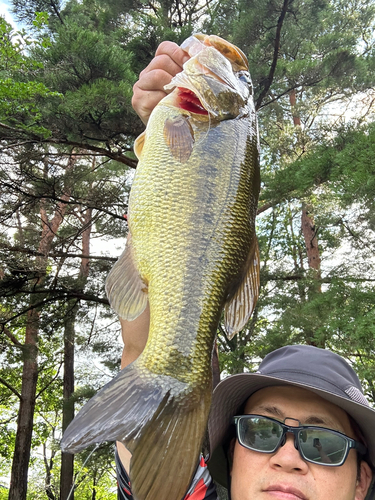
column 191, row 251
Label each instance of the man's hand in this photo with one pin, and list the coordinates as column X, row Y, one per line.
column 149, row 89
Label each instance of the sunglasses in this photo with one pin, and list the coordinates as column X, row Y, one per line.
column 315, row 444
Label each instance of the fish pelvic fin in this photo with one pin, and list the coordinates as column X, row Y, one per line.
column 126, row 292
column 157, row 419
column 239, row 309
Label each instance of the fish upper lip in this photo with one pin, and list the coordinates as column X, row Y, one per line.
column 287, row 489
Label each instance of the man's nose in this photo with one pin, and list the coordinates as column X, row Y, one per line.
column 288, row 458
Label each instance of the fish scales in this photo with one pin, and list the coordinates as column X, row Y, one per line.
column 169, row 213
column 191, row 252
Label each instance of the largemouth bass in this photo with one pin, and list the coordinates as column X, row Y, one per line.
column 191, row 252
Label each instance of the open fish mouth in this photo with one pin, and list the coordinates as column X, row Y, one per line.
column 188, row 100
column 209, row 83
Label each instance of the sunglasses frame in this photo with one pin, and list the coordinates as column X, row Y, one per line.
column 350, row 443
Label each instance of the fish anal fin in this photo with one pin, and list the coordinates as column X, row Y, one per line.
column 138, row 144
column 239, row 309
column 179, row 137
column 126, row 292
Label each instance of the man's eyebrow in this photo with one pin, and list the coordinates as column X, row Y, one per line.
column 274, row 411
column 271, row 410
column 323, row 421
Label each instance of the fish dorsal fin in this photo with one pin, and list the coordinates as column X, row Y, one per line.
column 126, row 292
column 138, row 144
column 179, row 137
column 239, row 309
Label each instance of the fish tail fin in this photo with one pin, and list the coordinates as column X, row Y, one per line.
column 166, row 456
column 159, row 420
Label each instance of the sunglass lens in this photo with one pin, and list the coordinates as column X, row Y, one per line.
column 322, row 446
column 259, row 433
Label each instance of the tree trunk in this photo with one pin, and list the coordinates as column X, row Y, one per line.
column 313, row 258
column 93, row 495
column 21, row 457
column 48, row 466
column 67, row 459
column 311, row 241
column 293, row 102
column 309, row 232
column 22, row 448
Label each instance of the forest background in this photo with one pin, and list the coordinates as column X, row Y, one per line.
column 66, row 164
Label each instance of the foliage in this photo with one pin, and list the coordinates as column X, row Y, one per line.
column 19, row 95
column 66, row 135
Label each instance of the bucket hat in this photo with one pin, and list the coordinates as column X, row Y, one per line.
column 318, row 370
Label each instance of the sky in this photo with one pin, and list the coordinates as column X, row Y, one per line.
column 5, row 11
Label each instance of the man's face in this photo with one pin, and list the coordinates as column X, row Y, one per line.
column 285, row 475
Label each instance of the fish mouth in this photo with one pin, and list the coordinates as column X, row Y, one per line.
column 188, row 100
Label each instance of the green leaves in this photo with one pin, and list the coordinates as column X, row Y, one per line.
column 65, row 92
column 20, row 96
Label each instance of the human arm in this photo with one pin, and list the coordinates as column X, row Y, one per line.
column 134, row 335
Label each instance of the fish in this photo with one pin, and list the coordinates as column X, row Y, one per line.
column 191, row 253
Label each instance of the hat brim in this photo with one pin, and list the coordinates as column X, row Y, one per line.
column 233, row 391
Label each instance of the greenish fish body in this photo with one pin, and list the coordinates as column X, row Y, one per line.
column 191, row 252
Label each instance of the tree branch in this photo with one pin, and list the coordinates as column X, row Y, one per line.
column 264, row 207
column 50, row 382
column 64, row 295
column 4, row 382
column 35, row 139
column 60, row 200
column 55, row 9
column 29, row 251
column 289, row 89
column 271, row 73
column 10, row 335
column 298, row 277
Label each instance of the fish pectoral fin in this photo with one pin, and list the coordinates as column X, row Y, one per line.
column 138, row 144
column 239, row 309
column 179, row 137
column 126, row 292
column 164, row 432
